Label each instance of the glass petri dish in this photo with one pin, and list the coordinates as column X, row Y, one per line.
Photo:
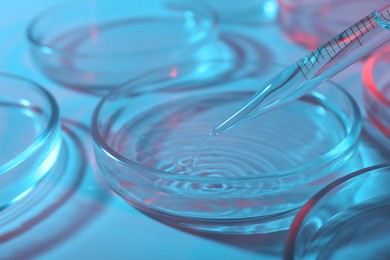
column 376, row 81
column 30, row 137
column 311, row 23
column 99, row 44
column 251, row 180
column 61, row 200
column 348, row 219
column 249, row 10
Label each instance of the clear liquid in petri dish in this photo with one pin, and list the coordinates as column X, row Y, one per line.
column 169, row 137
column 361, row 232
column 20, row 127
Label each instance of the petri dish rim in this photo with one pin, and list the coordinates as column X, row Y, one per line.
column 51, row 126
column 368, row 76
column 288, row 7
column 31, row 34
column 316, row 200
column 377, row 104
column 103, row 146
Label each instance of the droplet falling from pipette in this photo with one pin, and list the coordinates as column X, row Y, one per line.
column 199, row 149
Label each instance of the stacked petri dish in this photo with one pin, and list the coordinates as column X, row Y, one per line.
column 348, row 219
column 377, row 95
column 252, row 179
column 99, row 44
column 30, row 137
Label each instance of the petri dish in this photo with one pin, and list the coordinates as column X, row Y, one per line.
column 311, row 23
column 252, row 180
column 250, row 10
column 99, row 44
column 348, row 219
column 30, row 136
column 68, row 198
column 376, row 82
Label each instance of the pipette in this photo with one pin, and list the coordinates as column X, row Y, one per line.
column 360, row 39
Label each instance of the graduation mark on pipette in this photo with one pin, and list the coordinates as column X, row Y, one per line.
column 327, row 51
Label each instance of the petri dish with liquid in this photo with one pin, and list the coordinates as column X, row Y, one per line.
column 99, row 44
column 376, row 82
column 348, row 219
column 252, row 179
column 30, row 136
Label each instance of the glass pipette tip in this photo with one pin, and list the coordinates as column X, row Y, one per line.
column 362, row 38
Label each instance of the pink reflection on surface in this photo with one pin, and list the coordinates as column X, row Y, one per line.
column 94, row 33
column 285, row 5
column 90, row 77
column 173, row 73
column 368, row 77
column 375, row 79
column 379, row 125
column 310, row 41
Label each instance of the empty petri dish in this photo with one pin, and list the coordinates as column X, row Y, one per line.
column 376, row 81
column 311, row 23
column 61, row 200
column 234, row 11
column 99, row 44
column 348, row 219
column 252, row 179
column 30, row 136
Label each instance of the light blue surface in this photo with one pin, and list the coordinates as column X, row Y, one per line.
column 91, row 225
